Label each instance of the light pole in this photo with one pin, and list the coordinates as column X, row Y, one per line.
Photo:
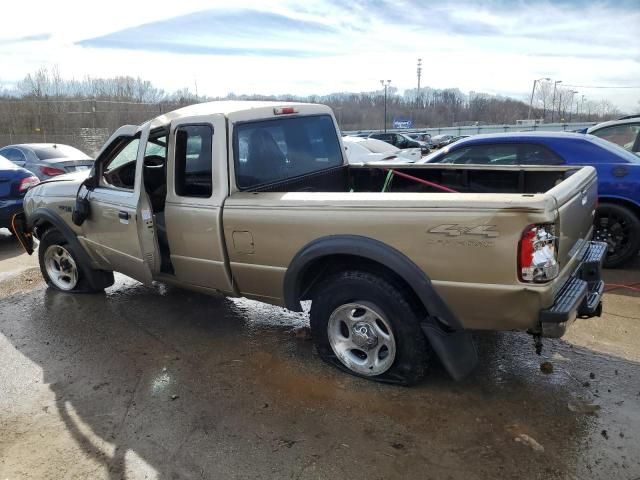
column 553, row 102
column 582, row 106
column 385, row 84
column 419, row 71
column 572, row 92
column 533, row 90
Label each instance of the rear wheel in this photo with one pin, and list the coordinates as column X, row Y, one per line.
column 367, row 326
column 62, row 270
column 619, row 228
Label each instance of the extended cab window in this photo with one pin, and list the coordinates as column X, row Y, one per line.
column 120, row 170
column 194, row 161
column 273, row 150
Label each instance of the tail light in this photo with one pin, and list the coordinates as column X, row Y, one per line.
column 26, row 183
column 52, row 171
column 538, row 254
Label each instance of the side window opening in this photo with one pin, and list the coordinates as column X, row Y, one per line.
column 155, row 170
column 120, row 170
column 194, row 162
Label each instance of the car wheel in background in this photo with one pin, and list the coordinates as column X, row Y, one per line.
column 619, row 227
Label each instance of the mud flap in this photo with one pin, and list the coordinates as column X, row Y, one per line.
column 456, row 349
column 21, row 231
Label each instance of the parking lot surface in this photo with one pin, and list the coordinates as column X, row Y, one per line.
column 163, row 383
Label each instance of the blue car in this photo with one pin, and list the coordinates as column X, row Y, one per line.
column 617, row 220
column 14, row 183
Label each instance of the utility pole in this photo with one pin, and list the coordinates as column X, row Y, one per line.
column 553, row 102
column 419, row 77
column 385, row 84
column 533, row 90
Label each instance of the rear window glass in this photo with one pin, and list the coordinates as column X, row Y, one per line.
column 59, row 151
column 273, row 150
column 616, row 149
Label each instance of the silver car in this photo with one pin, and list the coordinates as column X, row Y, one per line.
column 46, row 160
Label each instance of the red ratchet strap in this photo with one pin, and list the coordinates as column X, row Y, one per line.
column 424, row 182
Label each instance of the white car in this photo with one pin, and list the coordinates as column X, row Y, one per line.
column 364, row 150
column 624, row 132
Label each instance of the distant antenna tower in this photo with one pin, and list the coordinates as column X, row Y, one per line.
column 419, row 77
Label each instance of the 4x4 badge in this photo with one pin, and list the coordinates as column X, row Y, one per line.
column 457, row 230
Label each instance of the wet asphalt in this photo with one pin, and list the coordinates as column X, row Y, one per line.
column 163, row 383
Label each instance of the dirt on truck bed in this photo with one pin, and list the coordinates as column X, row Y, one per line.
column 163, row 383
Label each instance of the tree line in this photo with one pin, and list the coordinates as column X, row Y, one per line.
column 44, row 106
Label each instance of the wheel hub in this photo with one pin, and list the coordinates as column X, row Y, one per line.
column 364, row 336
column 362, row 339
column 61, row 267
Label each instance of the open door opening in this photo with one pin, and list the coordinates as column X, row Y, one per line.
column 153, row 200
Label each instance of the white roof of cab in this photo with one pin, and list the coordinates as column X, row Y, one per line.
column 219, row 107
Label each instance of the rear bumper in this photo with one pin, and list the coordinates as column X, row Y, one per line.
column 580, row 296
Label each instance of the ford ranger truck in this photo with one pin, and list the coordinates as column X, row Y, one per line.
column 400, row 262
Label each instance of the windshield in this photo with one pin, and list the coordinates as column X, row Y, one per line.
column 616, row 149
column 59, row 151
column 433, row 156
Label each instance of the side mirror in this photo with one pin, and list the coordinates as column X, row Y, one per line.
column 82, row 207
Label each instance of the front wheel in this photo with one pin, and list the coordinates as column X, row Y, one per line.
column 619, row 228
column 367, row 326
column 61, row 268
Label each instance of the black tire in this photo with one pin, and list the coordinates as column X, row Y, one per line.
column 88, row 279
column 412, row 350
column 619, row 227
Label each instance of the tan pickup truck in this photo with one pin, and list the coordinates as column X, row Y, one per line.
column 255, row 199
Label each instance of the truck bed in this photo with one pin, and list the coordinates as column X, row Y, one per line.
column 461, row 178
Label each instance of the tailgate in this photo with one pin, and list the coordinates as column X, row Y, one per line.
column 576, row 199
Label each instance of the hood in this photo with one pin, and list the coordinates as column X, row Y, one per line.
column 62, row 185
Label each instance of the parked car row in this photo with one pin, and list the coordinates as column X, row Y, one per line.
column 617, row 220
column 46, row 160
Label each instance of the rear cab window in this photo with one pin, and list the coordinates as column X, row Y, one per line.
column 273, row 150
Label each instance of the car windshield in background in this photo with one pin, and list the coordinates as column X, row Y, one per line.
column 617, row 149
column 272, row 150
column 59, row 151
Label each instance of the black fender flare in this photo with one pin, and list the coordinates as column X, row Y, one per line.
column 370, row 249
column 453, row 344
column 40, row 215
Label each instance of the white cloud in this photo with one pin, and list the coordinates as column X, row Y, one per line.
column 497, row 47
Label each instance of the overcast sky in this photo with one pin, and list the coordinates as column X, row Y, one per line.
column 325, row 46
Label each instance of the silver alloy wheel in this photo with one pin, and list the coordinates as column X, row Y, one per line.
column 362, row 338
column 61, row 267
